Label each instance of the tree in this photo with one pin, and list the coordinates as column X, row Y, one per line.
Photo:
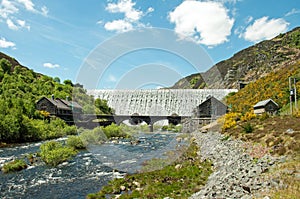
column 5, row 65
column 68, row 82
column 56, row 79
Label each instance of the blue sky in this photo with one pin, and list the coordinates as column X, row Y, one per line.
column 57, row 38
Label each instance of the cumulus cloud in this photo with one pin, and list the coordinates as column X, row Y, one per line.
column 28, row 5
column 118, row 25
column 132, row 16
column 207, row 23
column 265, row 28
column 6, row 44
column 7, row 8
column 50, row 65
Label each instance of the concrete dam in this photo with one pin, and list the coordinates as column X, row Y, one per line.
column 157, row 102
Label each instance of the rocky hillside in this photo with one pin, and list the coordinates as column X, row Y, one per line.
column 249, row 64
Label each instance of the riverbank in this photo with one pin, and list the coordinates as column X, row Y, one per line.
column 240, row 169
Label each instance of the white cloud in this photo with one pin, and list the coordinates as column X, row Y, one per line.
column 132, row 16
column 7, row 8
column 45, row 11
column 16, row 26
column 28, row 5
column 203, row 22
column 6, row 44
column 126, row 7
column 265, row 28
column 11, row 25
column 50, row 65
column 10, row 8
column 292, row 12
column 249, row 19
column 118, row 25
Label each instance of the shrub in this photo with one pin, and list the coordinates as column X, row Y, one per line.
column 248, row 128
column 230, row 120
column 75, row 142
column 54, row 153
column 248, row 116
column 16, row 165
column 95, row 136
column 114, row 130
column 70, row 130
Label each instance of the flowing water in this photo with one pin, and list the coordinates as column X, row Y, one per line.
column 86, row 173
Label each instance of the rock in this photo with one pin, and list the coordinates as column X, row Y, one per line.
column 122, row 188
column 136, row 183
column 290, row 131
column 178, row 166
column 235, row 175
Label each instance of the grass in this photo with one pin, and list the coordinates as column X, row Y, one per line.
column 16, row 165
column 180, row 179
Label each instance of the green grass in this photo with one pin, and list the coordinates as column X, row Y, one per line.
column 16, row 165
column 180, row 179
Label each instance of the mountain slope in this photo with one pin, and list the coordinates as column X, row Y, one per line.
column 249, row 64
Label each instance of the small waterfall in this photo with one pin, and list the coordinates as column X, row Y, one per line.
column 157, row 102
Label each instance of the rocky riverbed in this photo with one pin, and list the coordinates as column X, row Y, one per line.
column 236, row 173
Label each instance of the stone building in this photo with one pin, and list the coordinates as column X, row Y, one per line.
column 211, row 108
column 58, row 106
column 266, row 106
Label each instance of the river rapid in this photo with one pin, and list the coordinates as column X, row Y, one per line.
column 87, row 172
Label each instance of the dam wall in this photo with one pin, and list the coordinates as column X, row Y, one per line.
column 158, row 102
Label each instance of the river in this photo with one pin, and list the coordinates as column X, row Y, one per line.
column 86, row 173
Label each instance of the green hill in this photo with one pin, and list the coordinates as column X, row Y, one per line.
column 20, row 88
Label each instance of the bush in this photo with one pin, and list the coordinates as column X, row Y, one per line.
column 75, row 142
column 248, row 128
column 16, row 165
column 230, row 120
column 70, row 130
column 95, row 136
column 54, row 153
column 114, row 130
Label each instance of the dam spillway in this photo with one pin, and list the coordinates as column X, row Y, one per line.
column 157, row 102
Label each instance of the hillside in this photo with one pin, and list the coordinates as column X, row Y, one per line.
column 249, row 64
column 20, row 88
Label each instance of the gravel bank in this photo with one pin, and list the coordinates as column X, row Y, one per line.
column 236, row 174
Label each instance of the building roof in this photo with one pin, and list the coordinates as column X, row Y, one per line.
column 63, row 104
column 70, row 103
column 264, row 103
column 209, row 98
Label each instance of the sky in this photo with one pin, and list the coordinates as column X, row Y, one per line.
column 133, row 44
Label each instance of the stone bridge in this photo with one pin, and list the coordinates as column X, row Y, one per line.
column 91, row 121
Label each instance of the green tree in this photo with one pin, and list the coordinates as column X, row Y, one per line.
column 5, row 65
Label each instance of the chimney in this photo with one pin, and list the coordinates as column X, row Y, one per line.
column 67, row 98
column 52, row 96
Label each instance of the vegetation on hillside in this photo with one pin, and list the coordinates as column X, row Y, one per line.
column 275, row 85
column 21, row 88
